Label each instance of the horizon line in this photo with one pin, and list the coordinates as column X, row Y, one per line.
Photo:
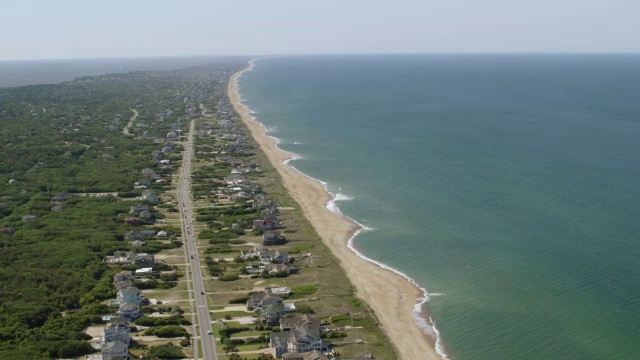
column 140, row 57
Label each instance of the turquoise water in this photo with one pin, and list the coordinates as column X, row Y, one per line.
column 506, row 185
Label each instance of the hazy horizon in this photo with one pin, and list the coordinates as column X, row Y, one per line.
column 74, row 29
column 254, row 56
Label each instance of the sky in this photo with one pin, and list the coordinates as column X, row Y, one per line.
column 71, row 29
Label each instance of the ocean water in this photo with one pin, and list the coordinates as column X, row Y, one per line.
column 506, row 185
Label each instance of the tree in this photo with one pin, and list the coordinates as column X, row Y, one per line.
column 168, row 351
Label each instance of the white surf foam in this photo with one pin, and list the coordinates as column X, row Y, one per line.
column 426, row 324
column 343, row 197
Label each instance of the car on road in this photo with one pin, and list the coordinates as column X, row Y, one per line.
column 201, row 292
column 209, row 332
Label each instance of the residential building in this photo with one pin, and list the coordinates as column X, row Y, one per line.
column 262, row 299
column 130, row 294
column 122, row 276
column 271, row 238
column 115, row 350
column 311, row 355
column 128, row 311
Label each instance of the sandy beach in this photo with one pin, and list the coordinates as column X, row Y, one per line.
column 391, row 296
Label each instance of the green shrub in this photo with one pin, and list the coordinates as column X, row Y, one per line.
column 206, row 234
column 303, row 290
column 219, row 249
column 304, row 309
column 340, row 319
column 333, row 335
column 240, row 300
column 167, row 351
column 185, row 342
column 229, row 277
column 167, row 331
column 161, row 321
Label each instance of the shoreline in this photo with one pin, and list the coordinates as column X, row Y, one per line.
column 392, row 295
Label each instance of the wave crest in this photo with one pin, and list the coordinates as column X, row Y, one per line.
column 343, row 197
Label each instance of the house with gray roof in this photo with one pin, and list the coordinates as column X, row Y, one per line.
column 311, row 355
column 132, row 235
column 123, row 276
column 262, row 299
column 130, row 294
column 128, row 311
column 130, row 257
column 116, row 331
column 271, row 238
column 150, row 196
column 279, row 269
column 146, row 215
column 115, row 350
column 271, row 313
column 137, row 243
column 303, row 335
column 139, row 208
column 60, row 197
column 278, row 343
column 306, row 338
column 147, row 233
column 289, row 323
column 278, row 256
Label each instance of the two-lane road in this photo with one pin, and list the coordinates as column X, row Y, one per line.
column 196, row 285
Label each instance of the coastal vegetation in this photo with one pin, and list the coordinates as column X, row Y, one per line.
column 67, row 178
column 88, row 181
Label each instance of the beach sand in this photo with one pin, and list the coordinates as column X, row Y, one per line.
column 391, row 296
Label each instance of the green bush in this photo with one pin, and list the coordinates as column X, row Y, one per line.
column 304, row 309
column 162, row 321
column 219, row 249
column 333, row 335
column 240, row 300
column 229, row 277
column 338, row 319
column 168, row 331
column 206, row 234
column 303, row 290
column 225, row 235
column 167, row 351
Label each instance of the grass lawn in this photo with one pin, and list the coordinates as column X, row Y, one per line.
column 222, row 314
column 254, row 333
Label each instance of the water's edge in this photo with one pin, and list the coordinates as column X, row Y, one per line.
column 420, row 315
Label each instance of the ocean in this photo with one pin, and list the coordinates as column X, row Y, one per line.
column 505, row 185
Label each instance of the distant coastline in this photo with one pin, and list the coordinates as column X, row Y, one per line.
column 395, row 302
column 36, row 72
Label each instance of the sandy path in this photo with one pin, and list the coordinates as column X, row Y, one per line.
column 130, row 123
column 390, row 296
